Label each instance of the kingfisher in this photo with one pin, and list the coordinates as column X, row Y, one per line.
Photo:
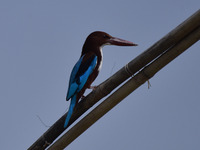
column 88, row 66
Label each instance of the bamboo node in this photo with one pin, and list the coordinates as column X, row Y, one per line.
column 127, row 69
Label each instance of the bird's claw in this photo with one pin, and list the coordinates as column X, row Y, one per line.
column 82, row 97
column 93, row 87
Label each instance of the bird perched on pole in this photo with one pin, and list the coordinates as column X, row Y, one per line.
column 88, row 66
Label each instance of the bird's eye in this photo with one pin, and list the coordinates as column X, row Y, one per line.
column 106, row 36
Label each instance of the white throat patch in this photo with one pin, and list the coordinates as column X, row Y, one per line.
column 100, row 65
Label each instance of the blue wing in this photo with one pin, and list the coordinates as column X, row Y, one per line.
column 80, row 73
column 79, row 76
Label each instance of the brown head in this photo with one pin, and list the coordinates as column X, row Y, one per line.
column 98, row 39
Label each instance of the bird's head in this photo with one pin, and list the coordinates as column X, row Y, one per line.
column 99, row 39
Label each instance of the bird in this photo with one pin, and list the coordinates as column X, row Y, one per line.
column 88, row 66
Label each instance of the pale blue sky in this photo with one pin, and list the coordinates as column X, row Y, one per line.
column 41, row 40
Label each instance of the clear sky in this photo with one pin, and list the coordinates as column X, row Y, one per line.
column 41, row 40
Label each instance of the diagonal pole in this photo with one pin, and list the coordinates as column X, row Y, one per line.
column 145, row 74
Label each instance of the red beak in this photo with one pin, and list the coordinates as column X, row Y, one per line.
column 120, row 42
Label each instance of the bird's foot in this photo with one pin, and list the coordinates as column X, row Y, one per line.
column 82, row 97
column 92, row 87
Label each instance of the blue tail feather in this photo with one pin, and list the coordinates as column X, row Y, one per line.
column 70, row 111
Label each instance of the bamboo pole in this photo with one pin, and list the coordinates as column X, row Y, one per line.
column 145, row 74
column 123, row 74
